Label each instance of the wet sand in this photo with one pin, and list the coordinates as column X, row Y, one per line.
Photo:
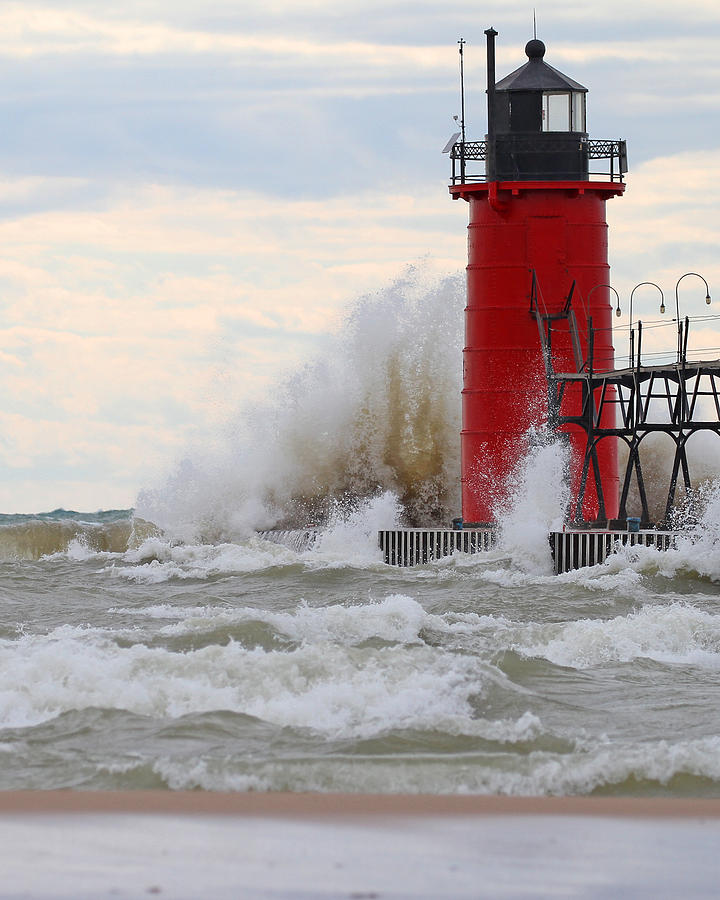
column 67, row 844
column 315, row 805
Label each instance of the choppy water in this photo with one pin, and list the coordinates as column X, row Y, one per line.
column 238, row 666
column 200, row 656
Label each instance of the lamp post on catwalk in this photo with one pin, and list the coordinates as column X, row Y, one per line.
column 537, row 233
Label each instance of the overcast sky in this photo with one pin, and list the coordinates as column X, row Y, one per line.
column 192, row 191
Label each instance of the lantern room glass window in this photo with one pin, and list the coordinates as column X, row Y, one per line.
column 563, row 111
column 578, row 111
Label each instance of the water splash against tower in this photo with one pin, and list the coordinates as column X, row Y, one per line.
column 537, row 502
column 379, row 411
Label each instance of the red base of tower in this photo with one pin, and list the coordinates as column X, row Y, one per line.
column 559, row 231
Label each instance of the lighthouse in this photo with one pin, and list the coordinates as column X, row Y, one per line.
column 537, row 252
column 538, row 336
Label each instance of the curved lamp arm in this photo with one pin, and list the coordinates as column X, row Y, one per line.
column 618, row 311
column 662, row 309
column 708, row 300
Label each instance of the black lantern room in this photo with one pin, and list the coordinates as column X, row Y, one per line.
column 537, row 123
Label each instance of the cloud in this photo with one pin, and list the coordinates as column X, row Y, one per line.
column 670, row 201
column 26, row 32
column 191, row 193
column 664, row 226
column 131, row 327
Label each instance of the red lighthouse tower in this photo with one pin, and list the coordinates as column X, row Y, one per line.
column 537, row 242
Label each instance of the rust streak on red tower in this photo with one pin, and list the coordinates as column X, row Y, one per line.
column 535, row 217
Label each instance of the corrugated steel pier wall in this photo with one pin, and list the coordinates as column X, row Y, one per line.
column 577, row 549
column 415, row 546
column 418, row 546
column 570, row 549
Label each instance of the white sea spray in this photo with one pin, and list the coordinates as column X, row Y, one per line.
column 378, row 411
column 536, row 506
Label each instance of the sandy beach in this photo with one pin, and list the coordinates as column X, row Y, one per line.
column 62, row 844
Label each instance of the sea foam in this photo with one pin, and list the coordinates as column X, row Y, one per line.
column 333, row 687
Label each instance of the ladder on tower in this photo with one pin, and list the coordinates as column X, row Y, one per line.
column 557, row 387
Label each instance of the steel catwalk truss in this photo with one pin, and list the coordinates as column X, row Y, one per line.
column 677, row 400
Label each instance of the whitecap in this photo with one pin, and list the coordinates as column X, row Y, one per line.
column 675, row 634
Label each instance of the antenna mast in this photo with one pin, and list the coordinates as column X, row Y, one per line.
column 461, row 42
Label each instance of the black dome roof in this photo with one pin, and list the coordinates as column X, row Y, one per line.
column 537, row 75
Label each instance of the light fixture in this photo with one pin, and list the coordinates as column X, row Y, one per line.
column 707, row 299
column 662, row 307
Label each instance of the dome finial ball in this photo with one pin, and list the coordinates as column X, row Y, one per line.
column 535, row 49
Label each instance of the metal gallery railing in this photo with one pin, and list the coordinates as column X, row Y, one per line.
column 465, row 155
